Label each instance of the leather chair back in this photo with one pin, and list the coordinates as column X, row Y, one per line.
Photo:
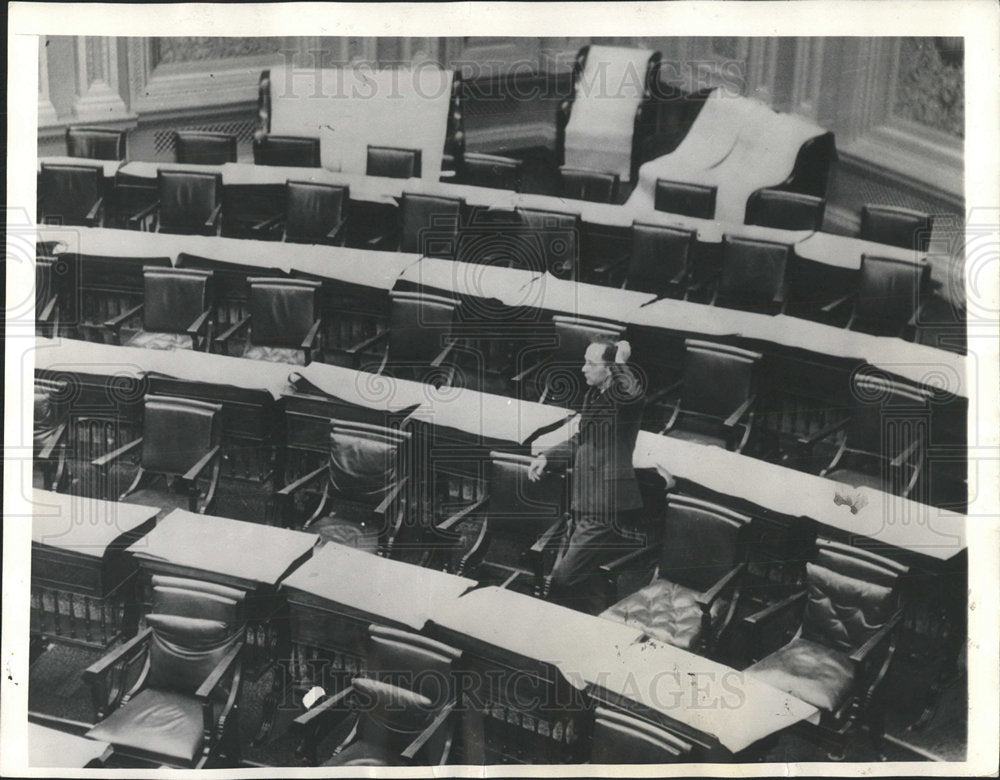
column 287, row 151
column 429, row 224
column 896, row 227
column 187, row 200
column 859, row 564
column 390, row 717
column 196, row 599
column 586, row 184
column 519, row 508
column 419, row 324
column 177, row 432
column 196, row 147
column 619, row 738
column 552, row 241
column 313, row 210
column 412, row 661
column 888, row 293
column 702, row 542
column 281, row 310
column 184, row 650
column 575, row 334
column 366, row 461
column 785, row 210
column 51, row 408
column 70, row 191
column 717, row 378
column 392, row 162
column 173, row 298
column 491, row 170
column 659, row 255
column 689, row 200
column 95, row 143
column 880, row 402
column 753, row 273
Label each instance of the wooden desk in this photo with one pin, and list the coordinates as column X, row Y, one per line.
column 82, row 583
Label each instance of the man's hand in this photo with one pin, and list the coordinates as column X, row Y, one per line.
column 537, row 468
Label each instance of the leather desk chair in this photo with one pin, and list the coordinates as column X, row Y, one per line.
column 785, row 210
column 689, row 200
column 47, row 303
column 393, row 163
column 71, row 195
column 491, row 170
column 620, row 738
column 660, row 260
column 589, row 185
column 188, row 203
column 428, row 225
column 50, row 434
column 95, row 143
column 314, row 214
column 286, row 151
column 753, row 275
column 904, row 228
column 552, row 242
column 889, row 297
column 195, row 147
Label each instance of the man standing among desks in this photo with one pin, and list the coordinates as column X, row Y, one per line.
column 605, row 492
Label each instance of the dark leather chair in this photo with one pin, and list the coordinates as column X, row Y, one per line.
column 552, row 242
column 660, row 260
column 590, row 185
column 181, row 442
column 283, row 325
column 50, row 427
column 362, row 504
column 314, row 214
column 894, row 226
column 95, row 143
column 529, row 517
column 429, row 224
column 785, row 210
column 176, row 311
column 48, row 305
column 689, row 200
column 889, row 297
column 717, row 398
column 754, row 275
column 71, row 195
column 843, row 645
column 620, row 738
column 418, row 342
column 287, row 151
column 696, row 586
column 400, row 713
column 196, row 147
column 188, row 203
column 490, row 170
column 882, row 443
column 182, row 710
column 393, row 163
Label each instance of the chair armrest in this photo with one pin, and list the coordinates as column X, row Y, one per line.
column 126, row 650
column 409, row 754
column 301, row 482
column 462, row 514
column 218, row 673
column 94, row 210
column 833, row 305
column 140, row 215
column 369, row 342
column 228, row 334
column 543, row 541
column 442, row 356
column 199, row 324
column 310, row 339
column 54, row 442
column 332, row 235
column 391, row 496
column 860, row 655
column 708, row 598
column 267, row 224
column 195, row 471
column 778, row 608
column 822, row 433
column 50, row 307
column 527, row 372
column 213, row 218
column 663, row 393
column 901, row 458
column 115, row 323
column 323, row 709
column 615, row 567
column 741, row 410
column 106, row 460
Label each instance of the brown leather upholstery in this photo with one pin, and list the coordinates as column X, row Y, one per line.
column 204, row 148
column 429, row 224
column 666, row 611
column 753, row 275
column 286, row 150
column 197, row 599
column 888, row 295
column 690, row 200
column 393, row 162
column 177, row 432
column 313, row 211
column 187, row 201
column 163, row 722
column 95, row 143
column 419, row 326
column 518, row 508
column 785, row 210
column 412, row 661
column 173, row 298
column 185, row 650
column 900, row 227
column 552, row 241
column 282, row 311
column 810, row 671
column 586, row 184
column 660, row 260
column 490, row 170
column 841, row 611
column 70, row 192
column 619, row 738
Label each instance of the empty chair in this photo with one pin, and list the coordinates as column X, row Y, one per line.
column 50, row 426
column 314, row 214
column 844, row 641
column 47, row 295
column 429, row 224
column 181, row 711
column 894, row 226
column 95, row 143
column 188, row 202
column 196, row 147
column 888, row 299
column 362, row 504
column 717, row 398
column 620, row 738
column 689, row 200
column 286, row 150
column 283, row 324
column 785, row 210
column 176, row 310
column 393, row 163
column 71, row 194
column 551, row 242
column 660, row 260
column 180, row 442
column 491, row 170
column 586, row 184
column 695, row 588
column 753, row 276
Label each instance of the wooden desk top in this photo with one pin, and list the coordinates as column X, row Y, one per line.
column 87, row 526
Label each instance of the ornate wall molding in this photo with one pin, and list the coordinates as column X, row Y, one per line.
column 98, row 96
column 47, row 114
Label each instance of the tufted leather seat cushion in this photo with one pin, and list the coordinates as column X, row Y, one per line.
column 857, row 478
column 155, row 721
column 810, row 671
column 268, row 354
column 843, row 611
column 666, row 611
column 160, row 340
column 344, row 526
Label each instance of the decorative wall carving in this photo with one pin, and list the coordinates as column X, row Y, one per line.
column 170, row 50
column 930, row 84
